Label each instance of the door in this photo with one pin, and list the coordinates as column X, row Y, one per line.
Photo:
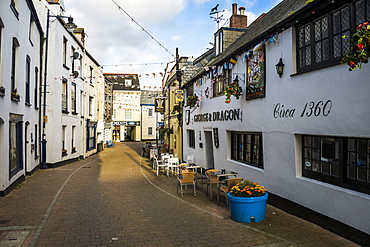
column 209, row 149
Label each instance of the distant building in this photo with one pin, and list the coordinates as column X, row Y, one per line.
column 126, row 116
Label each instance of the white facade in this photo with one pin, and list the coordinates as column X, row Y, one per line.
column 20, row 75
column 331, row 103
column 71, row 93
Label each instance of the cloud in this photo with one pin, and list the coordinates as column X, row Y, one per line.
column 176, row 38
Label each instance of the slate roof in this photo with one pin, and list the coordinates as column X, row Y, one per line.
column 281, row 16
column 118, row 81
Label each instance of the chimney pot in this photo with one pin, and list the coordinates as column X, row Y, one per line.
column 241, row 9
column 235, row 7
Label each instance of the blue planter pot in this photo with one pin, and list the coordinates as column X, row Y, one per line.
column 248, row 209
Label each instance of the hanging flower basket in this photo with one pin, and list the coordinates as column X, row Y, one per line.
column 192, row 101
column 359, row 52
column 233, row 89
column 176, row 109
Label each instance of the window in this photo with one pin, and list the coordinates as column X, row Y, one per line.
column 219, row 42
column 15, row 144
column 91, row 131
column 150, row 112
column 15, row 46
column 32, row 28
column 73, row 139
column 36, row 141
column 73, row 97
column 191, row 138
column 36, row 88
column 28, row 78
column 65, row 46
column 13, row 6
column 150, row 131
column 1, row 47
column 320, row 42
column 342, row 161
column 247, row 148
column 128, row 82
column 82, row 103
column 91, row 74
column 64, row 127
column 64, row 95
column 221, row 81
column 128, row 114
column 91, row 105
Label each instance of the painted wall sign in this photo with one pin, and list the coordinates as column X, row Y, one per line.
column 227, row 115
column 310, row 109
column 256, row 73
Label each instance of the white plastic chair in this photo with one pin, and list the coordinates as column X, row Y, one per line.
column 159, row 165
column 173, row 165
column 190, row 159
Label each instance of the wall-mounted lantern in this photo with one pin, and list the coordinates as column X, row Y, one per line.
column 280, row 67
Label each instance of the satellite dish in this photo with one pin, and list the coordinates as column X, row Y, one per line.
column 75, row 55
column 75, row 74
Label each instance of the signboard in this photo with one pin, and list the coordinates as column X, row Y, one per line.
column 179, row 95
column 129, row 123
column 256, row 73
column 159, row 107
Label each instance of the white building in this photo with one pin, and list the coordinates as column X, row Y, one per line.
column 126, row 106
column 305, row 135
column 20, row 78
column 70, row 90
column 150, row 119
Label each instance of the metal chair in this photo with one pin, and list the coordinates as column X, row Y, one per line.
column 185, row 179
column 231, row 182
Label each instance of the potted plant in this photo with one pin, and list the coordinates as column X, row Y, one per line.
column 233, row 89
column 248, row 202
column 191, row 101
column 64, row 152
column 359, row 51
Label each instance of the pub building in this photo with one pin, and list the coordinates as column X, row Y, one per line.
column 300, row 126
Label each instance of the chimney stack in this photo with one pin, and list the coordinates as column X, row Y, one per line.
column 238, row 21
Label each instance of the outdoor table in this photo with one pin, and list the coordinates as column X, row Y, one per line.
column 219, row 174
column 195, row 168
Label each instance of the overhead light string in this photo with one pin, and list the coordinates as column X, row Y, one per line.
column 142, row 28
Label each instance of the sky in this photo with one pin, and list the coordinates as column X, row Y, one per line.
column 141, row 36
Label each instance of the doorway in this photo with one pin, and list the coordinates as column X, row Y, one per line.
column 209, row 149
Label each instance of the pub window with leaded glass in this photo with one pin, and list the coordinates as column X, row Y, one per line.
column 247, row 148
column 221, row 82
column 320, row 41
column 340, row 161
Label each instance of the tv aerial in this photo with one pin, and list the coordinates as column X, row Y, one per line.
column 217, row 18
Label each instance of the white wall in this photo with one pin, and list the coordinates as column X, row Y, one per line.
column 349, row 116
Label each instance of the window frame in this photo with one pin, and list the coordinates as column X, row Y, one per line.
column 191, row 138
column 221, row 81
column 27, row 97
column 337, row 46
column 239, row 150
column 343, row 149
